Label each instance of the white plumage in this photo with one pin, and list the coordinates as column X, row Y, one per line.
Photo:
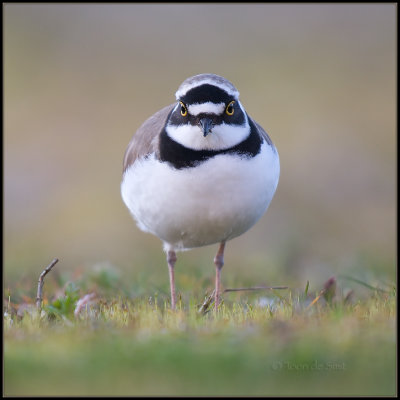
column 215, row 201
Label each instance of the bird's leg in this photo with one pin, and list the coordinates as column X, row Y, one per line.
column 219, row 263
column 171, row 260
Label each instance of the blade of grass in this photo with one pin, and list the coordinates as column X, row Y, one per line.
column 349, row 278
column 306, row 289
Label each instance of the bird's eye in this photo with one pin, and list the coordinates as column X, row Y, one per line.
column 183, row 109
column 229, row 108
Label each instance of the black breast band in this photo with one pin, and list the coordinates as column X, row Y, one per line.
column 180, row 156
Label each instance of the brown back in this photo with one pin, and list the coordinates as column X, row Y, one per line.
column 145, row 140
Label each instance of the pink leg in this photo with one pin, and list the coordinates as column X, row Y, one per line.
column 171, row 260
column 219, row 263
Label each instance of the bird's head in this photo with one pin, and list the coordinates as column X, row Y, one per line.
column 208, row 114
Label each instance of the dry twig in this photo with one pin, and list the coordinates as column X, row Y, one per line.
column 209, row 299
column 255, row 288
column 328, row 292
column 41, row 282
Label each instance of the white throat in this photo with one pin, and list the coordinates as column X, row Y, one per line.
column 221, row 137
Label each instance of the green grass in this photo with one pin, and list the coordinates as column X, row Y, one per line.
column 275, row 343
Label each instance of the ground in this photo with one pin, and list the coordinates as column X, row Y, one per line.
column 298, row 341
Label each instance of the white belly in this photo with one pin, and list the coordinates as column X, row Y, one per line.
column 218, row 200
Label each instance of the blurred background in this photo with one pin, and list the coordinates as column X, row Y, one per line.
column 79, row 79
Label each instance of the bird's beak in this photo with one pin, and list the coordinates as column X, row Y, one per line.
column 206, row 125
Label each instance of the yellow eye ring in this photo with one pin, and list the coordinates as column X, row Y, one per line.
column 229, row 108
column 183, row 109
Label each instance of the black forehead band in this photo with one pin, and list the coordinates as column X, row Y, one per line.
column 206, row 92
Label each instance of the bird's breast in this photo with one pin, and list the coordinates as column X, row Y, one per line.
column 216, row 200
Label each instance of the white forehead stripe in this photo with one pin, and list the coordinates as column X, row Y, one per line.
column 185, row 87
column 208, row 108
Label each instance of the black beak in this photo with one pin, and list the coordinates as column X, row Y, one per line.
column 206, row 125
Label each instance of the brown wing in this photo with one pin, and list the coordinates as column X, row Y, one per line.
column 145, row 140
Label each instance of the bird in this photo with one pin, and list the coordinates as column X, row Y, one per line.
column 200, row 171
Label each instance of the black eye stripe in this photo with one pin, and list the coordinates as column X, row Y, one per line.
column 176, row 118
column 234, row 117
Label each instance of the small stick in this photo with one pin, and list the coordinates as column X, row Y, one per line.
column 41, row 282
column 329, row 287
column 255, row 288
column 208, row 300
column 316, row 299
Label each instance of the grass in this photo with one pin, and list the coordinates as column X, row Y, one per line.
column 271, row 343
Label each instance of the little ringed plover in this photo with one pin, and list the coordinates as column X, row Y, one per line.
column 199, row 171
